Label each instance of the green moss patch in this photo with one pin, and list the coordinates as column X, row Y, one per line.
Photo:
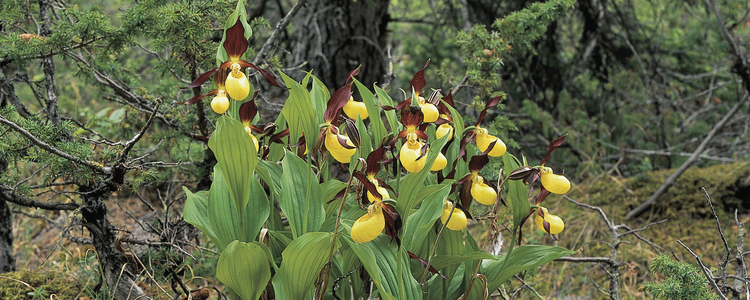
column 44, row 283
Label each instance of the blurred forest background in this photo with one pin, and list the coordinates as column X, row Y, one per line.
column 95, row 143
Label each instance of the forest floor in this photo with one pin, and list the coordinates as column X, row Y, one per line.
column 54, row 265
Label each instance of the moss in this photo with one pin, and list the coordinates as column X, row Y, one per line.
column 51, row 282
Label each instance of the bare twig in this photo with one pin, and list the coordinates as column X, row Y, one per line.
column 271, row 41
column 705, row 270
column 8, row 194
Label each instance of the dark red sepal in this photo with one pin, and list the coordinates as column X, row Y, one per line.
column 373, row 161
column 248, row 110
column 198, row 98
column 487, row 106
column 201, row 79
column 411, row 117
column 276, row 138
column 267, row 75
column 447, row 99
column 478, row 162
column 556, row 143
column 235, row 43
column 392, row 223
column 543, row 193
column 337, row 102
column 424, row 264
column 418, row 82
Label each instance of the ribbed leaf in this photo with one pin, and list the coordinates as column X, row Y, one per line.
column 379, row 257
column 319, row 96
column 271, row 174
column 364, row 138
column 300, row 113
column 301, row 197
column 302, row 261
column 234, row 149
column 196, row 213
column 517, row 193
column 442, row 261
column 244, row 268
column 257, row 210
column 390, row 115
column 376, row 123
column 222, row 215
column 523, row 258
column 422, row 221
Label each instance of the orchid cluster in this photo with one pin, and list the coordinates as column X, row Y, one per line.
column 424, row 167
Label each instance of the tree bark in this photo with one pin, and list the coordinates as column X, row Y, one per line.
column 335, row 37
column 116, row 273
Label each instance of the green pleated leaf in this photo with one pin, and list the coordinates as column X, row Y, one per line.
column 300, row 113
column 390, row 115
column 302, row 261
column 517, row 193
column 421, row 222
column 196, row 213
column 376, row 123
column 235, row 152
column 365, row 142
column 244, row 268
column 319, row 96
column 257, row 210
column 380, row 259
column 270, row 173
column 412, row 183
column 523, row 258
column 222, row 215
column 301, row 198
column 442, row 261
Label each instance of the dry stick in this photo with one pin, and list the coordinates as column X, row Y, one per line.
column 277, row 32
column 673, row 178
column 723, row 265
column 705, row 270
column 741, row 260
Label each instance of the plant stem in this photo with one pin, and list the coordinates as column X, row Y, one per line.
column 437, row 240
column 336, row 232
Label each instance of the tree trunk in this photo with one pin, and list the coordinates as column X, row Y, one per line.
column 118, row 276
column 335, row 37
column 7, row 262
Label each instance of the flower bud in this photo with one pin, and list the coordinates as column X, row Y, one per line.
column 220, row 103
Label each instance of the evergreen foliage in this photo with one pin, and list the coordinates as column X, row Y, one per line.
column 682, row 280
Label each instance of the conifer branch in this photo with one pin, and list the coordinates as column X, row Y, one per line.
column 51, row 149
column 7, row 193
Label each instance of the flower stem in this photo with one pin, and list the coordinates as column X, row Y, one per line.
column 432, row 253
column 336, row 232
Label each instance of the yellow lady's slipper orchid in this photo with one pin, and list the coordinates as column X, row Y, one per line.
column 556, row 224
column 484, row 139
column 220, row 103
column 482, row 192
column 457, row 219
column 339, row 152
column 409, row 154
column 352, row 109
column 255, row 140
column 429, row 110
column 383, row 192
column 369, row 226
column 440, row 163
column 444, row 129
column 237, row 85
column 556, row 184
